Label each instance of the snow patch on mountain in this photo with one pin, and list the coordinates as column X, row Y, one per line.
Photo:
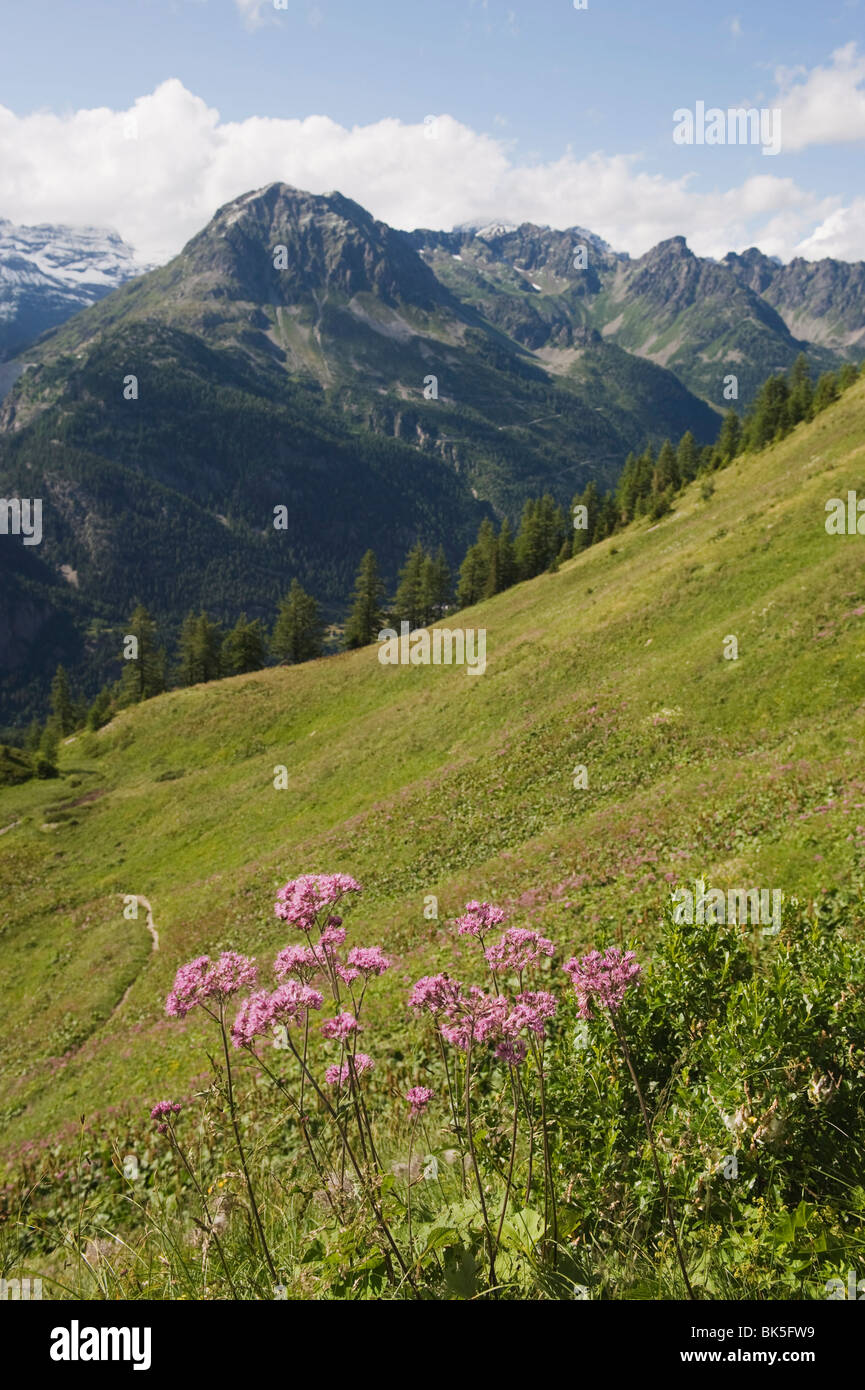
column 48, row 273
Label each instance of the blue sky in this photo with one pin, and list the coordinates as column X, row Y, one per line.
column 550, row 114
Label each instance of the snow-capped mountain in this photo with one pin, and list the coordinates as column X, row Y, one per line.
column 48, row 273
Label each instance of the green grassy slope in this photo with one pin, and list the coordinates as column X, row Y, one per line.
column 424, row 780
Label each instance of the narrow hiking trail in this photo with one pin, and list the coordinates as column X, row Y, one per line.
column 11, row 826
column 154, row 938
column 145, row 903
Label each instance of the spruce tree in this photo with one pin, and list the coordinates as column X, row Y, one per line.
column 366, row 618
column 298, row 633
column 487, row 545
column 686, row 457
column 439, row 584
column 61, row 703
column 506, row 559
column 245, row 647
column 729, row 439
column 410, row 602
column 582, row 535
column 472, row 578
column 666, row 477
column 801, row 391
column 144, row 674
column 826, row 392
column 200, row 650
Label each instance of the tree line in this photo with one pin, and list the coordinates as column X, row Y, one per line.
column 427, row 590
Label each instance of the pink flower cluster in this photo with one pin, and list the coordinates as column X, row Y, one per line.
column 474, row 1016
column 199, row 980
column 363, row 960
column 297, row 960
column 288, row 1004
column 165, row 1107
column 162, row 1110
column 338, row 1075
column 300, row 901
column 341, row 1027
column 479, row 918
column 605, row 977
column 518, row 948
column 418, row 1098
column 437, row 994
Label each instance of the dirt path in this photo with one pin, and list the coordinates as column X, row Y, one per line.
column 145, row 903
column 154, row 937
column 9, row 827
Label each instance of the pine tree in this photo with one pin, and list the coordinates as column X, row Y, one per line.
column 487, row 545
column 666, row 477
column 729, row 439
column 472, row 578
column 644, row 475
column 528, row 543
column 144, row 674
column 769, row 417
column 590, row 499
column 410, row 602
column 826, row 392
column 686, row 457
column 801, row 391
column 49, row 743
column 245, row 647
column 98, row 711
column 61, row 703
column 626, row 490
column 439, row 584
column 200, row 648
column 506, row 559
column 847, row 376
column 298, row 634
column 367, row 616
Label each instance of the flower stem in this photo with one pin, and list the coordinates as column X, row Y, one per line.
column 480, row 1186
column 664, row 1192
column 235, row 1126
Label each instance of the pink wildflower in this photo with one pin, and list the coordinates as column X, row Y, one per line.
column 338, row 1075
column 165, row 1107
column 418, row 1098
column 531, row 1010
column 188, row 987
column 253, row 1018
column 291, row 1001
column 512, row 1050
column 331, row 936
column 369, row 960
column 288, row 1004
column 300, row 901
column 230, row 973
column 200, row 980
column 296, row 960
column 480, row 1018
column 607, row 976
column 340, row 1027
column 438, row 994
column 518, row 948
column 479, row 918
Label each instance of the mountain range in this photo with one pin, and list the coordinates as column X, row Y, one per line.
column 48, row 273
column 382, row 386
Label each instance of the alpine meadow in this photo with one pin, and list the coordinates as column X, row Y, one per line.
column 432, row 725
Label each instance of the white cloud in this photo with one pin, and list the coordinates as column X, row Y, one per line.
column 161, row 188
column 826, row 105
column 839, row 235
